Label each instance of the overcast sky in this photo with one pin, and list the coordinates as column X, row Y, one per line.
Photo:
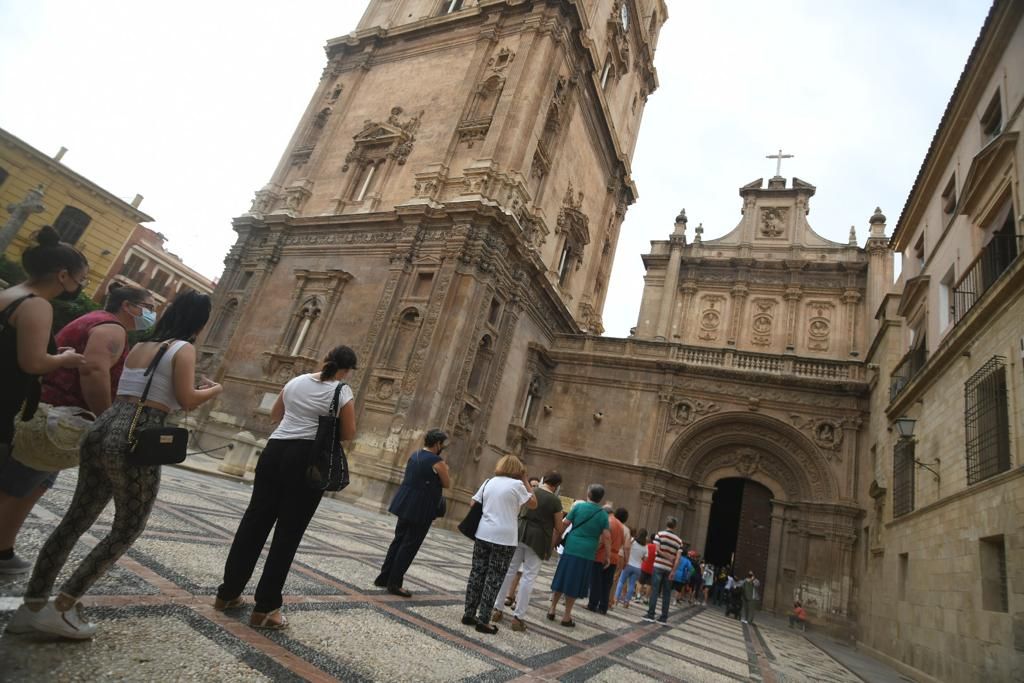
column 191, row 104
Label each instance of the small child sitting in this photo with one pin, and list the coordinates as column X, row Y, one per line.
column 798, row 616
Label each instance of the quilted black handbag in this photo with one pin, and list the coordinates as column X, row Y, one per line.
column 328, row 466
column 155, row 445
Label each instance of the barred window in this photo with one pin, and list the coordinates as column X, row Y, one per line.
column 903, row 478
column 987, row 422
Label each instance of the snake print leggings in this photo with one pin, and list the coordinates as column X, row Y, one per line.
column 102, row 474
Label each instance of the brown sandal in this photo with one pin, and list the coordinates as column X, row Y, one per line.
column 266, row 620
column 221, row 605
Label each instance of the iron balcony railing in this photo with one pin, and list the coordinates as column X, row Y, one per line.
column 909, row 366
column 995, row 258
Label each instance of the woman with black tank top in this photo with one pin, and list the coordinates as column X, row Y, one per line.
column 55, row 270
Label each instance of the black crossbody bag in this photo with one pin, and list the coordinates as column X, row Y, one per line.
column 328, row 466
column 155, row 445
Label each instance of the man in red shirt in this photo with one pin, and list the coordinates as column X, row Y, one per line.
column 102, row 337
column 799, row 615
column 603, row 577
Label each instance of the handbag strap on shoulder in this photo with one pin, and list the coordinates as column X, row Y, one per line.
column 151, row 373
column 337, row 397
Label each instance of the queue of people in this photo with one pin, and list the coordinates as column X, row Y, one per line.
column 89, row 366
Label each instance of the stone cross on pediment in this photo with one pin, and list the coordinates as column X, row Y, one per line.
column 778, row 164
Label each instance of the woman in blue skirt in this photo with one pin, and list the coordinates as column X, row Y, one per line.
column 589, row 530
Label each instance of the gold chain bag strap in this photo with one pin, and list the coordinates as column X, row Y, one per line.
column 155, row 445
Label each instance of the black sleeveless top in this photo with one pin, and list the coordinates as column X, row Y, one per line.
column 19, row 386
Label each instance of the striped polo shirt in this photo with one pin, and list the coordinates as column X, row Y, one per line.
column 669, row 546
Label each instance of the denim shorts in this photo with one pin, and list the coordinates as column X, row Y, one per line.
column 18, row 480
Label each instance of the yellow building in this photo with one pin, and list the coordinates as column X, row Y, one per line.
column 86, row 215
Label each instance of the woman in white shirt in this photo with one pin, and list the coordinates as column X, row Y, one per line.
column 280, row 494
column 631, row 572
column 496, row 538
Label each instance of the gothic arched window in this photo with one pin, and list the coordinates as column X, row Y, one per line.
column 307, row 314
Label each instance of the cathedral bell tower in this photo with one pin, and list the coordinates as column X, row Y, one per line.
column 450, row 200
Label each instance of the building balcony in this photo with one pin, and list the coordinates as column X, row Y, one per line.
column 995, row 259
column 905, row 371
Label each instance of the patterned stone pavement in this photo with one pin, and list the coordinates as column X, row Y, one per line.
column 157, row 623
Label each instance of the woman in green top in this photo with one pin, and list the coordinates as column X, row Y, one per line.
column 589, row 530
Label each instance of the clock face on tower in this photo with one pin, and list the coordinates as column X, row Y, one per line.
column 624, row 15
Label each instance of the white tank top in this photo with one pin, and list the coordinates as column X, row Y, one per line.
column 133, row 380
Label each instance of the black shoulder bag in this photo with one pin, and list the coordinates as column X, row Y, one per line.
column 471, row 522
column 328, row 466
column 155, row 445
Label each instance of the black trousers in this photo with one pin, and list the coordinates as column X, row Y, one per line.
column 409, row 536
column 601, row 578
column 279, row 496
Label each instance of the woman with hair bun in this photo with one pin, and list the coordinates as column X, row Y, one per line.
column 280, row 494
column 27, row 350
column 102, row 339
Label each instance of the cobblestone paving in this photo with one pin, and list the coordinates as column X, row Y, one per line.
column 157, row 623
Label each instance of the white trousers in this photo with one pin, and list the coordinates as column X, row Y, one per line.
column 530, row 562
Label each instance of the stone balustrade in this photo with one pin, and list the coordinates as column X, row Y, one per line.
column 766, row 363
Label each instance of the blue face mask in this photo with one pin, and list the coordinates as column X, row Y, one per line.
column 146, row 320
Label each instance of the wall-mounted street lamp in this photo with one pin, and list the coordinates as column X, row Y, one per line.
column 905, row 429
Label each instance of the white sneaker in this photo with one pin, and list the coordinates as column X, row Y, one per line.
column 21, row 621
column 14, row 565
column 743, row 621
column 70, row 624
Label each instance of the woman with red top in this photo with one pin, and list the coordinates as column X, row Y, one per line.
column 647, row 570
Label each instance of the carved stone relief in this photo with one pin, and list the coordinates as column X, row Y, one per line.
column 827, row 434
column 763, row 321
column 392, row 138
column 819, row 325
column 686, row 411
column 711, row 316
column 774, row 221
column 699, row 449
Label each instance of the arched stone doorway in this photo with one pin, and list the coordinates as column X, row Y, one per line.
column 739, row 527
column 797, row 532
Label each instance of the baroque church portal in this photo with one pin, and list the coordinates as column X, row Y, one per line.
column 450, row 205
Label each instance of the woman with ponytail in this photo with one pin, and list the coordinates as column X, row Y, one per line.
column 280, row 494
column 55, row 271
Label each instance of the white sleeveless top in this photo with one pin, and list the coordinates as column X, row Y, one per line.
column 133, row 380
